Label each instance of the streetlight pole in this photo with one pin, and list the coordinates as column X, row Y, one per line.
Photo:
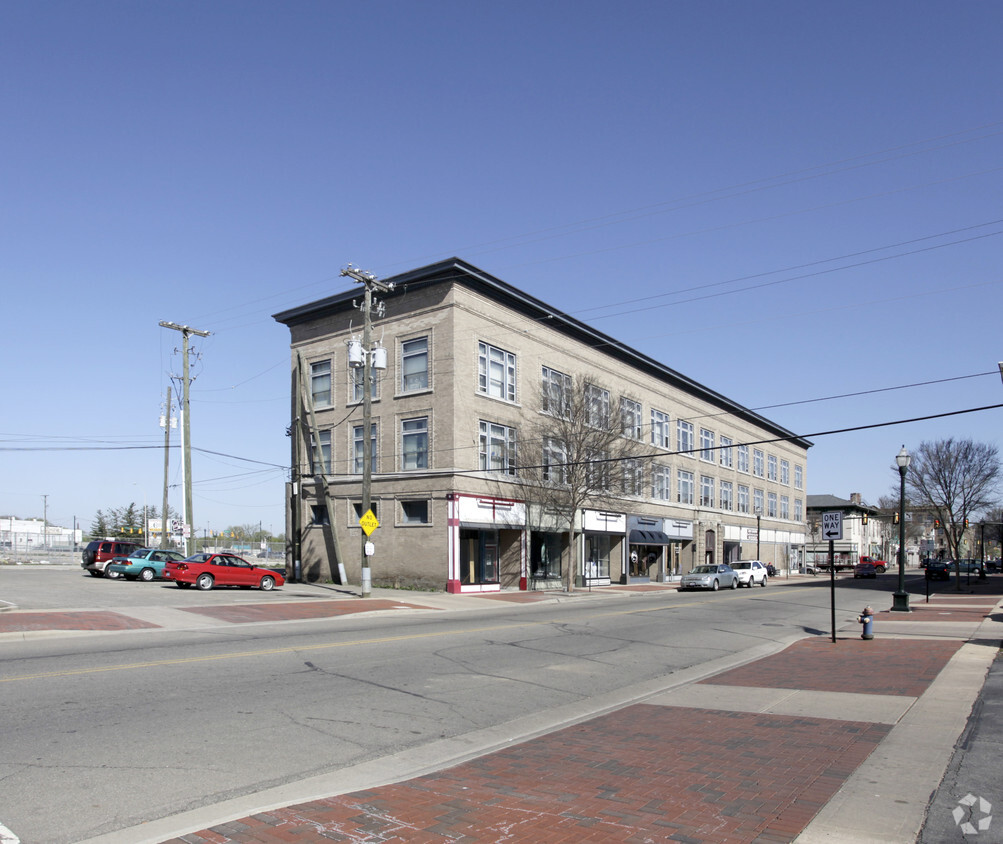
column 900, row 600
column 759, row 516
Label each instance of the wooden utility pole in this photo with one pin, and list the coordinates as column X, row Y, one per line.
column 167, row 468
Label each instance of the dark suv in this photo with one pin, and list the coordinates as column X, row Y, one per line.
column 102, row 551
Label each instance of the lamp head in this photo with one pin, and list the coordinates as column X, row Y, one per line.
column 903, row 459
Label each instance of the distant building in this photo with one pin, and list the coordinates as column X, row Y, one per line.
column 23, row 535
column 467, row 364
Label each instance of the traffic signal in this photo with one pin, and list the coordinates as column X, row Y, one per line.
column 863, row 519
column 895, row 519
column 936, row 524
column 966, row 522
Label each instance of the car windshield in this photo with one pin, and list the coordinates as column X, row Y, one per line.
column 742, row 566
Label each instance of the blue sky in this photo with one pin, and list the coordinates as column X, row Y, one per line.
column 786, row 201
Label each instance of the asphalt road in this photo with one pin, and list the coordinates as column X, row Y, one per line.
column 105, row 731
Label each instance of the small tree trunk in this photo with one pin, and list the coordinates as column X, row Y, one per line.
column 569, row 577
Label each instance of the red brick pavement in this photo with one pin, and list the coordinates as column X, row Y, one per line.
column 644, row 773
column 875, row 666
column 19, row 622
column 244, row 613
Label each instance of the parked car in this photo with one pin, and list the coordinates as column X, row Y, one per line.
column 142, row 564
column 865, row 570
column 940, row 570
column 205, row 571
column 968, row 567
column 750, row 572
column 714, row 577
column 98, row 553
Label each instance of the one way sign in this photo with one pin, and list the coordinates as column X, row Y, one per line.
column 832, row 525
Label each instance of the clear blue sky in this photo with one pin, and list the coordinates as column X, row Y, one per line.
column 783, row 200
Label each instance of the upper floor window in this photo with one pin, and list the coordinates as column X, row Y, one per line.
column 706, row 444
column 497, row 448
column 726, row 455
column 661, row 482
column 414, row 364
column 415, row 512
column 320, row 383
column 555, row 395
column 597, row 405
column 785, row 472
column 684, row 437
column 771, row 505
column 757, row 463
column 495, row 372
column 630, row 418
column 660, row 434
column 725, row 497
column 555, row 461
column 320, row 461
column 743, row 458
column 798, row 477
column 785, row 507
column 798, row 511
column 633, row 477
column 597, row 470
column 771, row 467
column 358, row 385
column 743, row 499
column 757, row 502
column 684, row 487
column 414, row 443
column 358, row 445
column 706, row 491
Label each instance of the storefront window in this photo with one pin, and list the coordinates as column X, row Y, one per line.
column 545, row 551
column 597, row 550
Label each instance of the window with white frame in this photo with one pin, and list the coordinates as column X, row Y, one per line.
column 555, row 461
column 771, row 467
column 798, row 510
column 597, row 406
column 706, row 491
column 633, row 477
column 706, row 445
column 495, row 372
column 497, row 448
column 785, row 507
column 726, row 452
column 630, row 418
column 357, row 447
column 320, row 383
column 743, row 459
column 684, row 487
column 597, row 473
column 757, row 502
column 358, row 387
column 414, row 443
column 555, row 394
column 661, row 435
column 684, row 437
column 771, row 505
column 661, row 482
column 798, row 477
column 414, row 365
column 321, row 461
column 757, row 463
column 785, row 472
column 726, row 499
column 743, row 499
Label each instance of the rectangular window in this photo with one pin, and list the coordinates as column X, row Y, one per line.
column 633, row 477
column 661, row 483
column 414, row 365
column 414, row 443
column 785, row 507
column 771, row 467
column 785, row 472
column 726, row 500
column 318, row 515
column 358, row 387
column 798, row 511
column 684, row 487
column 357, row 444
column 555, row 394
column 660, row 434
column 597, row 470
column 414, row 512
column 555, row 460
column 757, row 463
column 495, row 372
column 597, row 406
column 757, row 502
column 798, row 477
column 726, row 455
column 743, row 459
column 359, row 512
column 320, row 383
column 743, row 499
column 706, row 445
column 684, row 437
column 771, row 505
column 706, row 491
column 320, row 462
column 497, row 448
column 630, row 418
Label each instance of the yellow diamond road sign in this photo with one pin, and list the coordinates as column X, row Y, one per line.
column 369, row 522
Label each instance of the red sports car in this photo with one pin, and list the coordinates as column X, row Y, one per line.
column 207, row 570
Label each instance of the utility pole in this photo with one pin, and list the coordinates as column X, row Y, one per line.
column 187, row 517
column 369, row 282
column 167, row 467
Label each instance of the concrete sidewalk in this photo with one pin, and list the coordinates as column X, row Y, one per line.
column 823, row 741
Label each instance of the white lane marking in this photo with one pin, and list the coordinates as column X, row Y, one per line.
column 8, row 837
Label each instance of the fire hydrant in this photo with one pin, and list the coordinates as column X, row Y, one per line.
column 867, row 619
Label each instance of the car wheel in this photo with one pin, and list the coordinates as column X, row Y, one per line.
column 146, row 575
column 267, row 583
column 763, row 582
column 734, row 583
column 111, row 575
column 204, row 582
column 715, row 586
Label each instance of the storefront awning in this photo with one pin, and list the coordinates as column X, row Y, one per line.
column 649, row 537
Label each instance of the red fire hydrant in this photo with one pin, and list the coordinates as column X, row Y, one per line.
column 867, row 619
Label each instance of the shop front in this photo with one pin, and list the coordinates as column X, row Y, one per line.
column 487, row 543
column 649, row 545
column 548, row 550
column 603, row 548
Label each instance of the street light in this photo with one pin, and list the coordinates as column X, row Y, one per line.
column 900, row 600
column 759, row 516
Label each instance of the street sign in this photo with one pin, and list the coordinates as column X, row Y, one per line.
column 832, row 526
column 369, row 522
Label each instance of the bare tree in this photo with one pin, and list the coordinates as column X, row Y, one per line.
column 585, row 451
column 956, row 479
